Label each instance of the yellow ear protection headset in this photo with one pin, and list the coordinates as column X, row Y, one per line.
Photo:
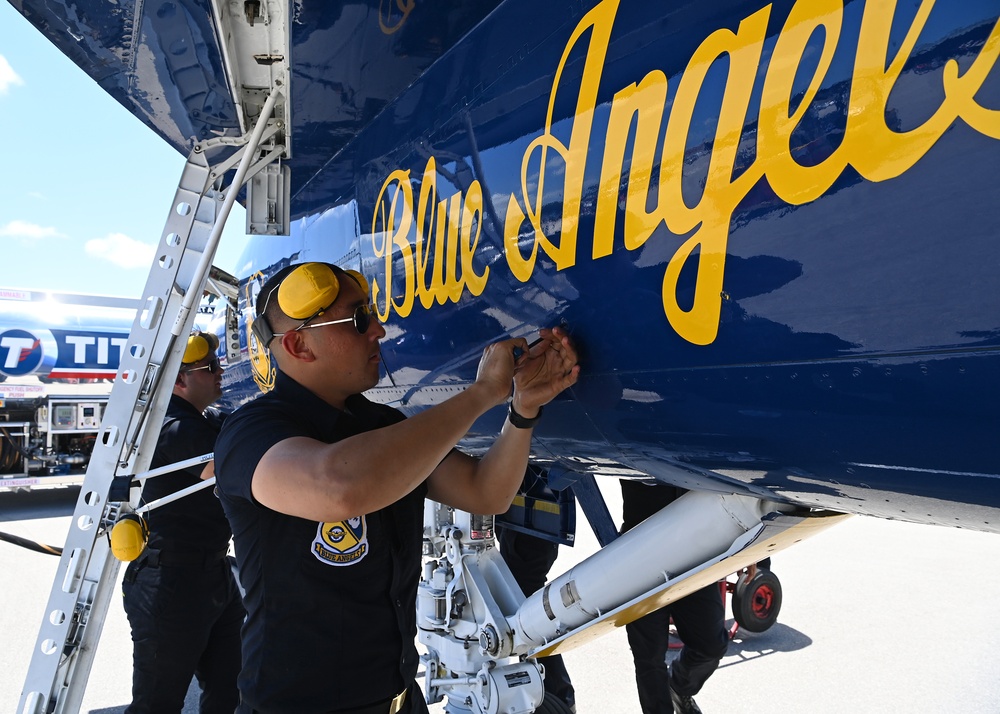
column 199, row 346
column 304, row 292
column 129, row 537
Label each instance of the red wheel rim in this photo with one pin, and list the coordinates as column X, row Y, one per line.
column 763, row 600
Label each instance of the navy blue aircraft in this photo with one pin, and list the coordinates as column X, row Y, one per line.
column 771, row 228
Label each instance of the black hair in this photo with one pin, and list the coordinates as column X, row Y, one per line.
column 272, row 284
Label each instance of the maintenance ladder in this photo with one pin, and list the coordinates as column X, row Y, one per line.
column 87, row 573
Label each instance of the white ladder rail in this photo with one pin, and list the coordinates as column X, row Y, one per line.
column 87, row 572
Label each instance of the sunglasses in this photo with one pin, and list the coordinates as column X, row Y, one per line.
column 362, row 319
column 214, row 367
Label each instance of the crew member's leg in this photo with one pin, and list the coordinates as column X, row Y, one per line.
column 701, row 626
column 530, row 558
column 649, row 638
column 167, row 637
column 221, row 660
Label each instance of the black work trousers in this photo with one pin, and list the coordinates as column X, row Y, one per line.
column 700, row 622
column 185, row 623
column 700, row 619
column 530, row 558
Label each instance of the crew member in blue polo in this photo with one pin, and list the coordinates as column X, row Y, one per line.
column 325, row 489
column 181, row 597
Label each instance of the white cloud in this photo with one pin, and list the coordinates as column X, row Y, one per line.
column 23, row 229
column 8, row 77
column 120, row 249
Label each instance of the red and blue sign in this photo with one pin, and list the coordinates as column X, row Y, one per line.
column 61, row 354
column 21, row 353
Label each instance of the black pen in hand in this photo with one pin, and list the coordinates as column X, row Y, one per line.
column 518, row 352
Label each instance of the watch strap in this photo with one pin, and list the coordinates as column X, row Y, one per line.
column 519, row 421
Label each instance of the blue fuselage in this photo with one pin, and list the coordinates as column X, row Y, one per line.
column 771, row 228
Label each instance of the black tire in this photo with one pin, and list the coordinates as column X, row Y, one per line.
column 553, row 705
column 756, row 604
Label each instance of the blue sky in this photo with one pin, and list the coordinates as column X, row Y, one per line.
column 78, row 211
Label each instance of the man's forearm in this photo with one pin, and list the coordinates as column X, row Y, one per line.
column 366, row 472
column 501, row 470
column 405, row 453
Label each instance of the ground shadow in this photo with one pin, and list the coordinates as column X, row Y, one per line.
column 747, row 646
column 38, row 503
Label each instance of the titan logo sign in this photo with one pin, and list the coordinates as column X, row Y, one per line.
column 60, row 353
column 427, row 242
column 20, row 352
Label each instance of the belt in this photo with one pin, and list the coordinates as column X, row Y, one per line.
column 397, row 703
column 181, row 559
column 389, row 706
column 392, row 706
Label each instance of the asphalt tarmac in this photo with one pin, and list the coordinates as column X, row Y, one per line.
column 877, row 616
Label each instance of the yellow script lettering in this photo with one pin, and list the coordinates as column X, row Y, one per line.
column 437, row 261
column 722, row 193
column 876, row 151
column 439, row 265
column 598, row 21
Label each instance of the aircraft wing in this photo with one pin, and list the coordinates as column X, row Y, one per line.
column 193, row 70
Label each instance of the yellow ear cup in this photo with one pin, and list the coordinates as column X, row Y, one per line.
column 309, row 289
column 360, row 279
column 197, row 349
column 128, row 537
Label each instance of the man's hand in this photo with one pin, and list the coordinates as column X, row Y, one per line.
column 543, row 371
column 538, row 372
column 496, row 369
column 749, row 573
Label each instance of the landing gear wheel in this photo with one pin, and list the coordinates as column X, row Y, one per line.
column 553, row 705
column 756, row 604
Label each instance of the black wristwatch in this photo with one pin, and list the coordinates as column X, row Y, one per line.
column 519, row 421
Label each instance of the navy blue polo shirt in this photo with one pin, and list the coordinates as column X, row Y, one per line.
column 331, row 615
column 195, row 523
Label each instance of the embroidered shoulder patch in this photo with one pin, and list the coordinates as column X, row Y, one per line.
column 341, row 543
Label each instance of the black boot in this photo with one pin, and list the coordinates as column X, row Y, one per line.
column 683, row 704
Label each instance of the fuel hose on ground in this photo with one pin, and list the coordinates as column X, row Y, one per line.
column 30, row 544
